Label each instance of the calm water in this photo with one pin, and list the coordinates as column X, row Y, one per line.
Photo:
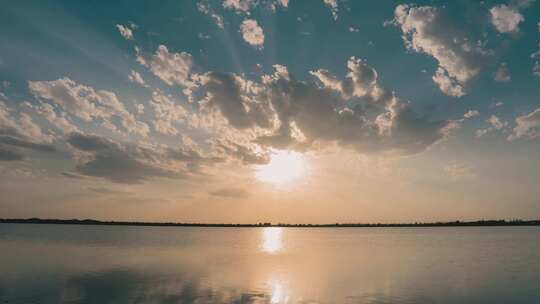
column 99, row 264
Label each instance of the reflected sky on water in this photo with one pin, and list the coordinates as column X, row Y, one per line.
column 99, row 264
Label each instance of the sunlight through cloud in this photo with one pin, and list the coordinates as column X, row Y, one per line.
column 284, row 167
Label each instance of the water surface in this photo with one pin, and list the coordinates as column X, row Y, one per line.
column 116, row 264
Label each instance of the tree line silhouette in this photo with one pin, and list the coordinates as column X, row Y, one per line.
column 515, row 222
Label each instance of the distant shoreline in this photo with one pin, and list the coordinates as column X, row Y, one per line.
column 479, row 223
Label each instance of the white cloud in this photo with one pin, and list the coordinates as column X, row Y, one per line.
column 136, row 78
column 125, row 31
column 333, row 5
column 19, row 133
column 139, row 57
column 252, row 33
column 360, row 81
column 471, row 114
column 140, row 109
column 536, row 69
column 496, row 124
column 59, row 120
column 502, row 74
column 505, row 19
column 168, row 113
column 240, row 6
column 449, row 86
column 22, row 127
column 497, row 104
column 527, row 126
column 354, row 29
column 285, row 3
column 203, row 36
column 87, row 104
column 172, row 68
column 205, row 9
column 426, row 30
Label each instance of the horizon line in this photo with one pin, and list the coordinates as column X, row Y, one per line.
column 456, row 223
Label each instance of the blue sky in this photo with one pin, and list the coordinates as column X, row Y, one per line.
column 179, row 105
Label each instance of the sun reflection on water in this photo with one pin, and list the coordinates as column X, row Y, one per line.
column 271, row 239
column 279, row 294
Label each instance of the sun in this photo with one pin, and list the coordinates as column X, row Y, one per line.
column 284, row 167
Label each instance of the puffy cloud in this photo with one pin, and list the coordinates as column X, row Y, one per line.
column 427, row 30
column 245, row 153
column 252, row 33
column 168, row 113
column 19, row 134
column 116, row 162
column 448, row 85
column 536, row 69
column 136, row 78
column 527, row 125
column 496, row 124
column 140, row 108
column 505, row 19
column 22, row 127
column 471, row 114
column 240, row 6
column 284, row 3
column 281, row 112
column 502, row 74
column 125, row 31
column 316, row 115
column 139, row 57
column 87, row 104
column 172, row 68
column 59, row 120
column 333, row 5
column 205, row 9
column 360, row 81
column 230, row 193
column 230, row 94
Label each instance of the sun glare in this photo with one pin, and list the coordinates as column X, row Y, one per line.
column 284, row 167
column 271, row 239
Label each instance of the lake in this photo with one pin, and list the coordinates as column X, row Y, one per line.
column 122, row 264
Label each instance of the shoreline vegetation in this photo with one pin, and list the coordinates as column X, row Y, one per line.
column 478, row 223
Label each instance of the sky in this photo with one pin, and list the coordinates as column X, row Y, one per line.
column 242, row 111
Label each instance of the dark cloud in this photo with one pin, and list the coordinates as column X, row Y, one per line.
column 72, row 175
column 116, row 162
column 130, row 163
column 231, row 95
column 7, row 154
column 355, row 113
column 19, row 142
column 246, row 155
column 230, row 193
column 121, row 168
column 102, row 190
column 372, row 121
column 91, row 143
